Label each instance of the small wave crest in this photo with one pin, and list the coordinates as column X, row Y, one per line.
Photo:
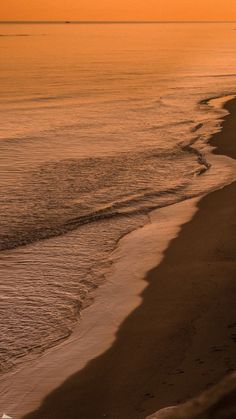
column 72, row 193
column 140, row 204
column 13, row 35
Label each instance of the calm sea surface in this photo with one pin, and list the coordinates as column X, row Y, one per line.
column 99, row 124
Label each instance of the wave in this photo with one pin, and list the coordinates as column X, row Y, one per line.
column 37, row 99
column 200, row 156
column 222, row 75
column 125, row 192
column 122, row 208
column 17, row 35
column 197, row 127
column 13, row 35
column 223, row 97
column 172, row 124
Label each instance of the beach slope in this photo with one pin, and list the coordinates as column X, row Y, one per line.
column 182, row 338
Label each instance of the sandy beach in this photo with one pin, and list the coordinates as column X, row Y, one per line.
column 182, row 338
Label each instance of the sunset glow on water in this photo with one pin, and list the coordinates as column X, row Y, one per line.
column 100, row 124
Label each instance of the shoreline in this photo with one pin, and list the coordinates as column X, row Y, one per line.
column 22, row 390
column 179, row 340
column 209, row 165
column 70, row 346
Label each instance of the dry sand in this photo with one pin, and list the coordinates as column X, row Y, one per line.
column 182, row 338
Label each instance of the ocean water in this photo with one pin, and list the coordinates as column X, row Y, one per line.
column 100, row 124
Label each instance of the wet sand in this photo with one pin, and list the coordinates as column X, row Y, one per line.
column 182, row 338
column 23, row 389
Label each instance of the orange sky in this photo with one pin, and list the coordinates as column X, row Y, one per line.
column 118, row 9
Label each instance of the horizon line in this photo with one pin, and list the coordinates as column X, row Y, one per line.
column 110, row 21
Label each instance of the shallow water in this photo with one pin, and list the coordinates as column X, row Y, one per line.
column 99, row 125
